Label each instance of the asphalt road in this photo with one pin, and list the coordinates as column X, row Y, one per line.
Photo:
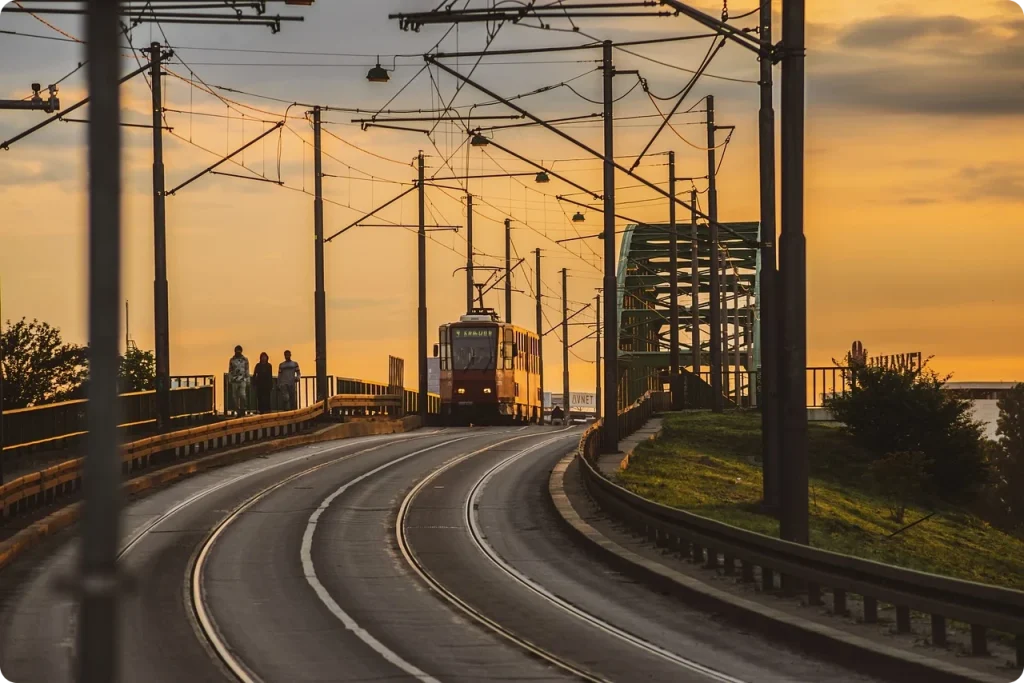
column 288, row 568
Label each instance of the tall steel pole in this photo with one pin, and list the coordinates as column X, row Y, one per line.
column 694, row 286
column 1, row 387
column 597, row 358
column 718, row 402
column 421, row 350
column 101, row 523
column 160, row 295
column 320, row 298
column 610, row 436
column 768, row 295
column 508, row 270
column 540, row 333
column 469, row 252
column 736, row 336
column 565, row 342
column 794, row 524
column 673, row 285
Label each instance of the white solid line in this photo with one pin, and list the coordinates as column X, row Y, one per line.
column 479, row 538
column 306, row 554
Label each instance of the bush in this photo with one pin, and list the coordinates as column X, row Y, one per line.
column 890, row 411
column 900, row 478
column 1008, row 457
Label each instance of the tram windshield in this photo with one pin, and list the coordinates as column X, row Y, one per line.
column 474, row 348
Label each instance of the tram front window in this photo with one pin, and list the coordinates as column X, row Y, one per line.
column 474, row 348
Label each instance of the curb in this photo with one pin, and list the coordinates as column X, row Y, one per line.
column 856, row 652
column 32, row 535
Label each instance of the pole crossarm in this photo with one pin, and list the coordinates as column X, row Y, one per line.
column 415, row 20
column 210, row 168
column 737, row 35
column 546, row 170
column 81, row 103
column 379, row 208
column 587, row 148
column 555, row 327
column 502, row 277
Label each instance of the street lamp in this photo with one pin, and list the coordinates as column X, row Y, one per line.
column 542, row 177
column 479, row 141
column 378, row 74
column 578, row 217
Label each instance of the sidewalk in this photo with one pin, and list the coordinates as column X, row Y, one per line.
column 610, row 463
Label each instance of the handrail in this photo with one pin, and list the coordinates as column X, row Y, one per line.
column 705, row 540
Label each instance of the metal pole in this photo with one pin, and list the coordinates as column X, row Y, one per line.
column 724, row 298
column 469, row 252
column 1, row 386
column 694, row 287
column 508, row 270
column 793, row 284
column 718, row 403
column 610, row 435
column 597, row 359
column 673, row 285
column 565, row 343
column 768, row 286
column 736, row 335
column 320, row 298
column 422, row 309
column 160, row 294
column 101, row 523
column 540, row 334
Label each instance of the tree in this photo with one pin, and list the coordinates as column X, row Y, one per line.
column 39, row 366
column 889, row 411
column 136, row 371
column 899, row 478
column 1008, row 455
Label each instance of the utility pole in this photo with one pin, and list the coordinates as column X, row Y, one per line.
column 98, row 586
column 508, row 270
column 422, row 309
column 768, row 293
column 718, row 404
column 794, row 523
column 597, row 358
column 1, row 389
column 565, row 343
column 160, row 294
column 673, row 285
column 610, row 435
column 724, row 299
column 320, row 298
column 469, row 252
column 694, row 286
column 736, row 335
column 540, row 334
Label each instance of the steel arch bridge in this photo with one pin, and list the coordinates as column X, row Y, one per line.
column 644, row 308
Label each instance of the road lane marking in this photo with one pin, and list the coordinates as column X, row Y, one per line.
column 479, row 538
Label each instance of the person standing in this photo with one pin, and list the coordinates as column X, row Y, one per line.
column 263, row 382
column 287, row 380
column 238, row 377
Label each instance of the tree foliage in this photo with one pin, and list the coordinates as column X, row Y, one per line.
column 1008, row 456
column 39, row 366
column 136, row 371
column 890, row 411
column 900, row 478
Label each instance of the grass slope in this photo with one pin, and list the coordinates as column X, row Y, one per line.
column 710, row 465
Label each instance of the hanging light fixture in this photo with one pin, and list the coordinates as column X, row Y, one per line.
column 542, row 177
column 578, row 217
column 378, row 74
column 479, row 141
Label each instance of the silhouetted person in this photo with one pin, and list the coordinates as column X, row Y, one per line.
column 238, row 377
column 287, row 379
column 263, row 382
column 557, row 414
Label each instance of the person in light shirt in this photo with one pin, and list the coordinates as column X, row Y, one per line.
column 287, row 378
column 238, row 376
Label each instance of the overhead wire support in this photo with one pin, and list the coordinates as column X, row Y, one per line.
column 210, row 169
column 373, row 212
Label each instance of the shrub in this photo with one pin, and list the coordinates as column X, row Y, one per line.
column 1008, row 456
column 890, row 411
column 900, row 478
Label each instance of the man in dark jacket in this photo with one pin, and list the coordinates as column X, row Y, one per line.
column 263, row 382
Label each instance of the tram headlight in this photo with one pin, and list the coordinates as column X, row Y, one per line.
column 461, row 390
column 487, row 390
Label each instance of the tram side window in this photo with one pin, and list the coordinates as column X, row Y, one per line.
column 506, row 350
column 446, row 348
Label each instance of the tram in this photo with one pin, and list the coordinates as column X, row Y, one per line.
column 490, row 371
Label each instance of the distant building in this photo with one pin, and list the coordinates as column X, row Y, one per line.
column 984, row 396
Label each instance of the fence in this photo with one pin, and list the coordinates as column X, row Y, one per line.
column 717, row 545
column 743, row 387
column 410, row 399
column 43, row 426
column 304, row 395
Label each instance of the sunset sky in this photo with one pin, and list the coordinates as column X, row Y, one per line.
column 914, row 196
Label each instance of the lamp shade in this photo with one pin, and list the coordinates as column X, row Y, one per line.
column 578, row 217
column 542, row 177
column 479, row 141
column 378, row 74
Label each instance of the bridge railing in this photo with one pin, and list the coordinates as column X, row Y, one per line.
column 38, row 488
column 718, row 545
column 410, row 398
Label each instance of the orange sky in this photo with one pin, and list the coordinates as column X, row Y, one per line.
column 914, row 187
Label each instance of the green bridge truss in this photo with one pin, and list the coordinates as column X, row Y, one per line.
column 644, row 305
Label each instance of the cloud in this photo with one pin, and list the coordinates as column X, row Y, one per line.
column 936, row 66
column 997, row 180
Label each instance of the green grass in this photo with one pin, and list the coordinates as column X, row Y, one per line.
column 710, row 465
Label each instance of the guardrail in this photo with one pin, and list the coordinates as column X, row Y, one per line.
column 718, row 545
column 410, row 399
column 38, row 488
column 41, row 426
